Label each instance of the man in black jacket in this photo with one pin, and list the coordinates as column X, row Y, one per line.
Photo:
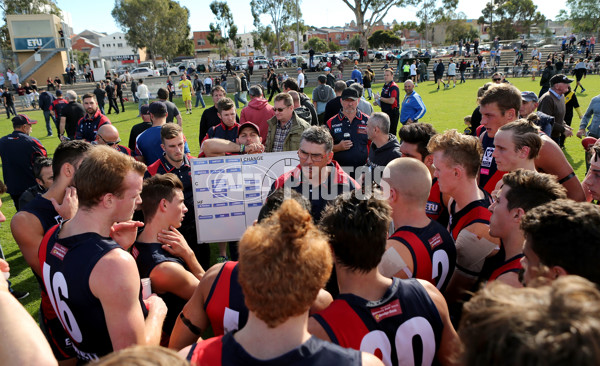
column 292, row 84
column 45, row 101
column 547, row 74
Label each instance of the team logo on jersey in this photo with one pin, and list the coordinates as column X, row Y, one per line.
column 362, row 129
column 386, row 311
column 435, row 240
column 337, row 130
column 59, row 251
column 487, row 157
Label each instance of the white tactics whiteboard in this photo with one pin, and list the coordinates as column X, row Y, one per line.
column 229, row 191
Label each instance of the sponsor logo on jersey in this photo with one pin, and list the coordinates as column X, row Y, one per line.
column 435, row 240
column 386, row 311
column 59, row 251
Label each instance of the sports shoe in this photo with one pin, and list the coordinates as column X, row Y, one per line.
column 222, row 259
column 582, row 90
column 20, row 294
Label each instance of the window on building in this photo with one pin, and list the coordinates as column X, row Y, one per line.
column 304, row 38
column 201, row 42
column 119, row 44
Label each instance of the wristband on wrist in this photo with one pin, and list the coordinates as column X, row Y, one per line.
column 242, row 148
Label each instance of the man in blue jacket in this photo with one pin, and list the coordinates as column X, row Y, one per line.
column 413, row 107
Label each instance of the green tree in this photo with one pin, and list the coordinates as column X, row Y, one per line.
column 508, row 18
column 282, row 12
column 13, row 7
column 583, row 14
column 225, row 30
column 459, row 29
column 355, row 43
column 432, row 12
column 160, row 26
column 370, row 12
column 333, row 47
column 317, row 44
column 81, row 57
column 384, row 38
column 263, row 39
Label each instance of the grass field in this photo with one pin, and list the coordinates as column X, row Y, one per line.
column 445, row 110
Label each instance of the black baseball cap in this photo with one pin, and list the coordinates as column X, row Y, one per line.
column 248, row 124
column 58, row 92
column 350, row 93
column 22, row 119
column 145, row 109
column 157, row 108
column 560, row 78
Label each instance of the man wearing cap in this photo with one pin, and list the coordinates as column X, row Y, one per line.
column 89, row 124
column 45, row 101
column 553, row 104
column 109, row 135
column 285, row 128
column 18, row 152
column 301, row 80
column 70, row 116
column 413, row 108
column 330, row 77
column 248, row 142
column 148, row 143
column 321, row 95
column 529, row 105
column 349, row 131
column 258, row 111
column 137, row 129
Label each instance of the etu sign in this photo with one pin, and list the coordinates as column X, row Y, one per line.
column 27, row 44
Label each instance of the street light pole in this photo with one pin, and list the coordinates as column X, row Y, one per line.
column 297, row 29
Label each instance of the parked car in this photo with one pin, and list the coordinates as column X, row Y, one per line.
column 261, row 64
column 220, row 65
column 144, row 72
column 411, row 53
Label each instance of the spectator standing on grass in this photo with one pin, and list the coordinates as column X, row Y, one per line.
column 198, row 90
column 46, row 100
column 100, row 94
column 8, row 100
column 143, row 95
column 258, row 111
column 70, row 116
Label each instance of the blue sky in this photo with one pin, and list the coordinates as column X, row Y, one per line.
column 95, row 15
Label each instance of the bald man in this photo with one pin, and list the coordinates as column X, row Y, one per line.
column 413, row 107
column 109, row 135
column 419, row 247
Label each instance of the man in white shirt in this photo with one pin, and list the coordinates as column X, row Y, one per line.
column 413, row 72
column 300, row 80
column 143, row 95
column 208, row 85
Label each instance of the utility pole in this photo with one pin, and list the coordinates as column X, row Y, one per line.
column 297, row 29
